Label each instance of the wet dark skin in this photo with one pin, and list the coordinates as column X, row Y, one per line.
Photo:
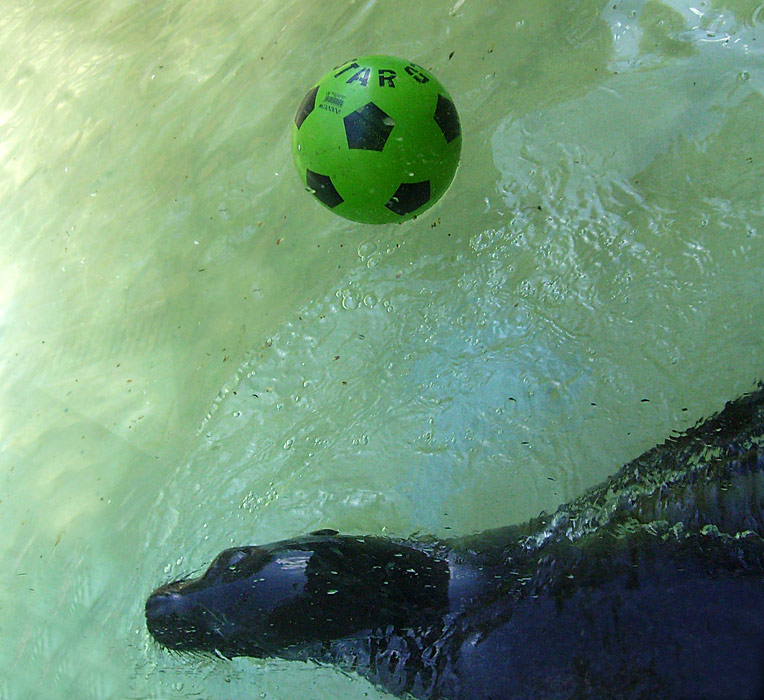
column 648, row 586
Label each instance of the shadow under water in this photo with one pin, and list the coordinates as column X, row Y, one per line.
column 648, row 586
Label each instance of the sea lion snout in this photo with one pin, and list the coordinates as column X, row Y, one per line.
column 177, row 622
column 162, row 604
column 163, row 613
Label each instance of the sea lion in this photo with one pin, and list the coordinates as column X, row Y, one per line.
column 649, row 586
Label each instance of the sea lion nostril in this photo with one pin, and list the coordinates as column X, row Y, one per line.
column 159, row 605
column 159, row 615
column 169, row 623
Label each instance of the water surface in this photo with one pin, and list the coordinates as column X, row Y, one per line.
column 193, row 353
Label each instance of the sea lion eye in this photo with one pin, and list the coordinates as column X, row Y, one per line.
column 236, row 557
column 227, row 561
column 236, row 563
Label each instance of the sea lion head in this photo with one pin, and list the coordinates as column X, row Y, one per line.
column 272, row 600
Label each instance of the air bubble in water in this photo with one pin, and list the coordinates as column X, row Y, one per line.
column 349, row 300
column 366, row 249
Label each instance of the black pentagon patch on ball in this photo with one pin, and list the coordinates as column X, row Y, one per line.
column 447, row 118
column 323, row 188
column 307, row 105
column 409, row 196
column 368, row 128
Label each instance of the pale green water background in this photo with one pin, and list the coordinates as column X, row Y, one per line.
column 193, row 353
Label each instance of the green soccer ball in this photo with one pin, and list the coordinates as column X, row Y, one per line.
column 377, row 140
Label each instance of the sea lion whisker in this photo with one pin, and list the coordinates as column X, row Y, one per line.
column 182, row 578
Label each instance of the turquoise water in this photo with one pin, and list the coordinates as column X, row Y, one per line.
column 193, row 353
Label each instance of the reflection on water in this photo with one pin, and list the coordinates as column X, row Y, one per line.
column 193, row 354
